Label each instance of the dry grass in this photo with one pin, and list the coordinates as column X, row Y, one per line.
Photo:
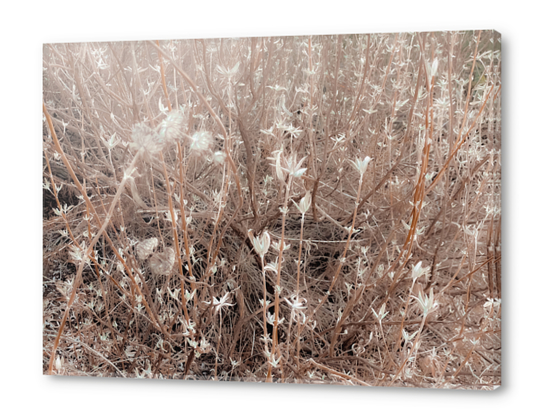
column 349, row 184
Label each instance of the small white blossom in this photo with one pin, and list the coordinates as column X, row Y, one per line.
column 272, row 266
column 408, row 337
column 220, row 303
column 418, row 271
column 381, row 313
column 79, row 254
column 112, row 142
column 361, row 165
column 276, row 246
column 426, row 303
column 261, row 243
column 304, row 203
column 228, row 72
column 290, row 166
column 271, row 319
column 278, row 166
column 297, row 304
column 275, row 362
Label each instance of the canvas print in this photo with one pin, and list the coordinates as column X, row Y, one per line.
column 306, row 209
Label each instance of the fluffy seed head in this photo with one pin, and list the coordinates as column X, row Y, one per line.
column 171, row 127
column 144, row 137
column 161, row 263
column 201, row 142
column 145, row 248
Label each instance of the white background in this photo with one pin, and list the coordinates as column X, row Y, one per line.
column 26, row 26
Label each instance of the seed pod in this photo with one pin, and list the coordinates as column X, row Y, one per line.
column 145, row 248
column 161, row 263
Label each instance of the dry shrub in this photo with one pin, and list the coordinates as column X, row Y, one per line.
column 349, row 185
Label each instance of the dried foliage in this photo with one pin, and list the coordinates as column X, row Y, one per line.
column 319, row 209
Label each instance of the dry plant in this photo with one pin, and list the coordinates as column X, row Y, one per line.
column 317, row 209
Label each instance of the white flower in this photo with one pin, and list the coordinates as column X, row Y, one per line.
column 268, row 132
column 294, row 131
column 407, row 337
column 276, row 246
column 221, row 303
column 492, row 303
column 275, row 362
column 229, row 73
column 426, row 303
column 381, row 313
column 189, row 296
column 62, row 210
column 261, row 243
column 272, row 266
column 361, row 165
column 294, row 168
column 189, row 327
column 418, row 271
column 112, row 142
column 297, row 303
column 290, row 167
column 304, row 203
column 267, row 303
column 271, row 318
column 278, row 166
column 174, row 294
column 79, row 254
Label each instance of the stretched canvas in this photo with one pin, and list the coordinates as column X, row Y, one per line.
column 307, row 209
